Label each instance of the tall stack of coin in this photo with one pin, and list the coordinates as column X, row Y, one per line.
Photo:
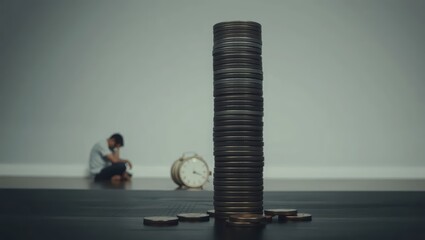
column 238, row 119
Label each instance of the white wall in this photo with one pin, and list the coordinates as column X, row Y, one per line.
column 344, row 84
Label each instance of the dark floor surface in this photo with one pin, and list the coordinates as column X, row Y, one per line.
column 117, row 214
column 279, row 184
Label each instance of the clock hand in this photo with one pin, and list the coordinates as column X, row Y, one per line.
column 195, row 172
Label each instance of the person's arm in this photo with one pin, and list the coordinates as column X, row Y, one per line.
column 114, row 158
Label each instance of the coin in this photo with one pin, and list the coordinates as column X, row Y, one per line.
column 240, row 107
column 239, row 117
column 237, row 138
column 241, row 84
column 239, row 143
column 238, row 39
column 239, row 175
column 239, row 158
column 239, row 198
column 238, row 153
column 236, row 60
column 238, row 133
column 238, row 188
column 222, row 182
column 226, row 214
column 238, row 128
column 281, row 212
column 236, row 33
column 240, row 56
column 211, row 212
column 236, row 23
column 253, row 218
column 255, row 122
column 236, row 44
column 239, row 97
column 241, row 49
column 238, row 112
column 239, row 164
column 268, row 218
column 236, row 28
column 251, row 193
column 227, row 88
column 193, row 217
column 238, row 81
column 231, row 91
column 300, row 217
column 239, row 170
column 238, row 75
column 237, row 204
column 227, row 150
column 238, row 209
column 160, row 221
column 257, row 67
column 232, row 34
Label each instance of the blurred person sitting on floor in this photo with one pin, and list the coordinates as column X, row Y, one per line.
column 105, row 163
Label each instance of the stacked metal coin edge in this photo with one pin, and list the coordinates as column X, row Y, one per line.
column 238, row 119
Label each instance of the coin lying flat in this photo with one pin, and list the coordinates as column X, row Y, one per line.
column 268, row 218
column 281, row 212
column 193, row 217
column 160, row 221
column 244, row 224
column 253, row 218
column 211, row 212
column 300, row 217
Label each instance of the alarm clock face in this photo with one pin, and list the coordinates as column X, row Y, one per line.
column 194, row 172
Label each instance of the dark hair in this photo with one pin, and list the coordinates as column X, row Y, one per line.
column 118, row 139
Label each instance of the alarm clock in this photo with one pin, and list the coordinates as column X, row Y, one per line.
column 190, row 171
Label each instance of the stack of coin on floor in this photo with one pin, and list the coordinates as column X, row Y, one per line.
column 238, row 119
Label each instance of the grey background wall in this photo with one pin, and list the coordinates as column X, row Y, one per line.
column 344, row 84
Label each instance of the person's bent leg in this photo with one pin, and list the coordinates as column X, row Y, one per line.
column 108, row 172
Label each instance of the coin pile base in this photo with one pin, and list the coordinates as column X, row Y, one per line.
column 246, row 220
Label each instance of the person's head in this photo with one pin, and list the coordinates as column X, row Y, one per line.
column 115, row 141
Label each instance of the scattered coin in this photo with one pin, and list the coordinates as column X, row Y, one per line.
column 300, row 217
column 160, row 221
column 211, row 212
column 193, row 217
column 281, row 212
